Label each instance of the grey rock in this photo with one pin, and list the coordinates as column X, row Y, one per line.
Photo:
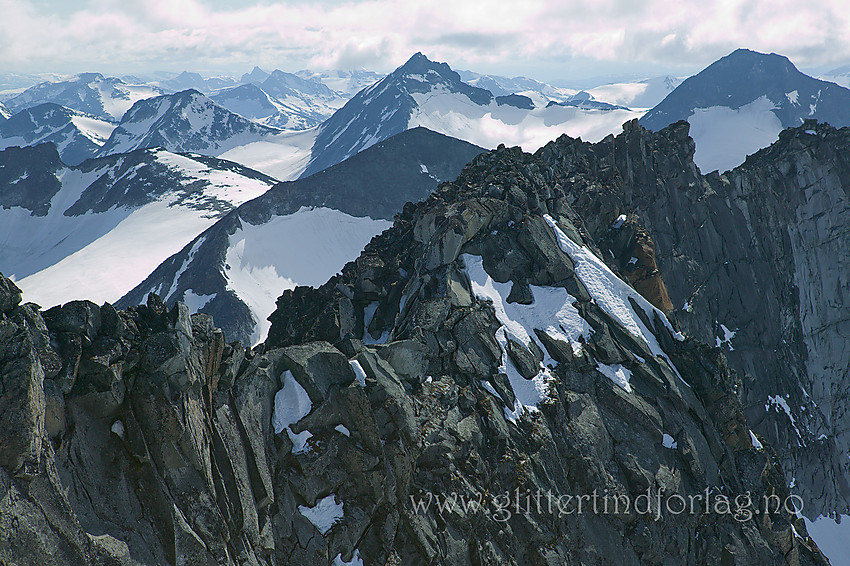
column 318, row 367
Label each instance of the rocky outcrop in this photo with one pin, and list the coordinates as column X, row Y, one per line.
column 452, row 397
column 755, row 263
column 478, row 387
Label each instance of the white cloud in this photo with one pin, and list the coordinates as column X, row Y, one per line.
column 383, row 33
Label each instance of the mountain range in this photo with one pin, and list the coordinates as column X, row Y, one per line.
column 97, row 229
column 107, row 98
column 661, row 305
column 76, row 135
column 509, row 355
column 301, row 232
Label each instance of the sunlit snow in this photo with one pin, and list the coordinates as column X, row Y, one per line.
column 304, row 248
column 325, row 514
column 724, row 137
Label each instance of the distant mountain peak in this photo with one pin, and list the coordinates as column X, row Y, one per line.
column 744, row 76
column 385, row 108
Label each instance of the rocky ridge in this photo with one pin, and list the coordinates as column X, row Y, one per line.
column 161, row 443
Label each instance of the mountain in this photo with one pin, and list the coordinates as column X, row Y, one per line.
column 345, row 83
column 754, row 262
column 188, row 80
column 282, row 100
column 107, row 98
column 429, row 94
column 518, row 377
column 586, row 101
column 252, row 102
column 97, row 229
column 186, row 121
column 78, row 136
column 839, row 75
column 257, row 75
column 301, row 232
column 753, row 95
column 541, row 92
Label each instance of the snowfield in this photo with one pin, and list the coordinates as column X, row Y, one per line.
column 100, row 256
column 305, row 248
column 724, row 137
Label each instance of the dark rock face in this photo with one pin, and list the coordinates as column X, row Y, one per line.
column 744, row 76
column 761, row 252
column 164, row 444
column 516, row 100
column 589, row 433
column 28, row 177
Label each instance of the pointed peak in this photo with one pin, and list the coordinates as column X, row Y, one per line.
column 419, row 63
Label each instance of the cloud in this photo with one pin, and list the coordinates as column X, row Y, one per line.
column 382, row 34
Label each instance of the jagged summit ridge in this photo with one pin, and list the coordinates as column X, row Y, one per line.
column 305, row 451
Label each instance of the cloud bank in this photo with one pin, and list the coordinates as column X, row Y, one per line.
column 43, row 35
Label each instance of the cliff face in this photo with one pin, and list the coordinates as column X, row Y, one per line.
column 480, row 350
column 755, row 262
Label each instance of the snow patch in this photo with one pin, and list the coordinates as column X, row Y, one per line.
column 117, row 428
column 291, row 404
column 304, row 248
column 727, row 337
column 358, row 372
column 612, row 294
column 780, row 402
column 616, row 373
column 325, row 514
column 355, row 560
column 724, row 137
column 196, row 302
column 552, row 311
column 667, row 441
column 343, row 429
column 831, row 537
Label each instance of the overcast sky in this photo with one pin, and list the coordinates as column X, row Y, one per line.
column 548, row 40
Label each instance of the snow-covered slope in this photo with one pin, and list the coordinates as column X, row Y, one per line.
column 77, row 135
column 429, row 94
column 188, row 80
column 107, row 98
column 181, row 122
column 739, row 104
column 283, row 155
column 283, row 100
column 252, row 102
column 4, row 112
column 538, row 91
column 96, row 230
column 345, row 83
column 301, row 232
column 839, row 76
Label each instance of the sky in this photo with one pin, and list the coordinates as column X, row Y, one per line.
column 548, row 40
